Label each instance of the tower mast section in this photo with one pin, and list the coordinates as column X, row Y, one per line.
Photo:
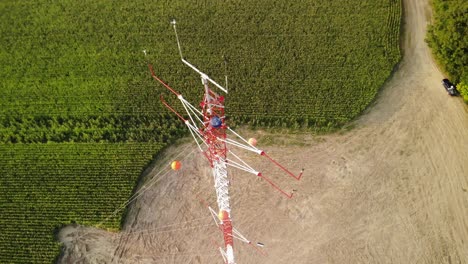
column 213, row 132
column 208, row 127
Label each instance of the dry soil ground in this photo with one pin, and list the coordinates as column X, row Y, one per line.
column 392, row 190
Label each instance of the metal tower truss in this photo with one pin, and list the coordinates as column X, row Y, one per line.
column 213, row 142
column 208, row 127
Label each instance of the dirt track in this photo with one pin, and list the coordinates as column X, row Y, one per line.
column 392, row 190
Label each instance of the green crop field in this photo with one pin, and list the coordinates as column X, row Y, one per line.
column 46, row 185
column 80, row 116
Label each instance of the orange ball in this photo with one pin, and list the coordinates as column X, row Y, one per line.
column 175, row 165
column 252, row 141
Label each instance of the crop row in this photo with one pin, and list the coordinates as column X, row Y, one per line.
column 105, row 128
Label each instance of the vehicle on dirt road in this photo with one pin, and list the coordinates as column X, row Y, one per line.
column 451, row 89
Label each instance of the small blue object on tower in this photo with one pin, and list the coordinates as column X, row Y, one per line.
column 216, row 122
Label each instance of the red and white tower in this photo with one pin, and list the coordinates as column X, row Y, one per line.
column 208, row 127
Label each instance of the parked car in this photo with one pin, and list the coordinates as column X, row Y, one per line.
column 451, row 89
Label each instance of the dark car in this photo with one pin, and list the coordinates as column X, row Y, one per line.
column 451, row 89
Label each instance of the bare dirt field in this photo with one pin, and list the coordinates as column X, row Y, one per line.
column 392, row 190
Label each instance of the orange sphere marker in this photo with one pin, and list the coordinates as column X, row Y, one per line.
column 252, row 141
column 175, row 165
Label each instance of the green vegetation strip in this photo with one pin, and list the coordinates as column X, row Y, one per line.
column 43, row 186
column 448, row 38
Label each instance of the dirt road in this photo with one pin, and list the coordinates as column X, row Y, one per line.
column 392, row 190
